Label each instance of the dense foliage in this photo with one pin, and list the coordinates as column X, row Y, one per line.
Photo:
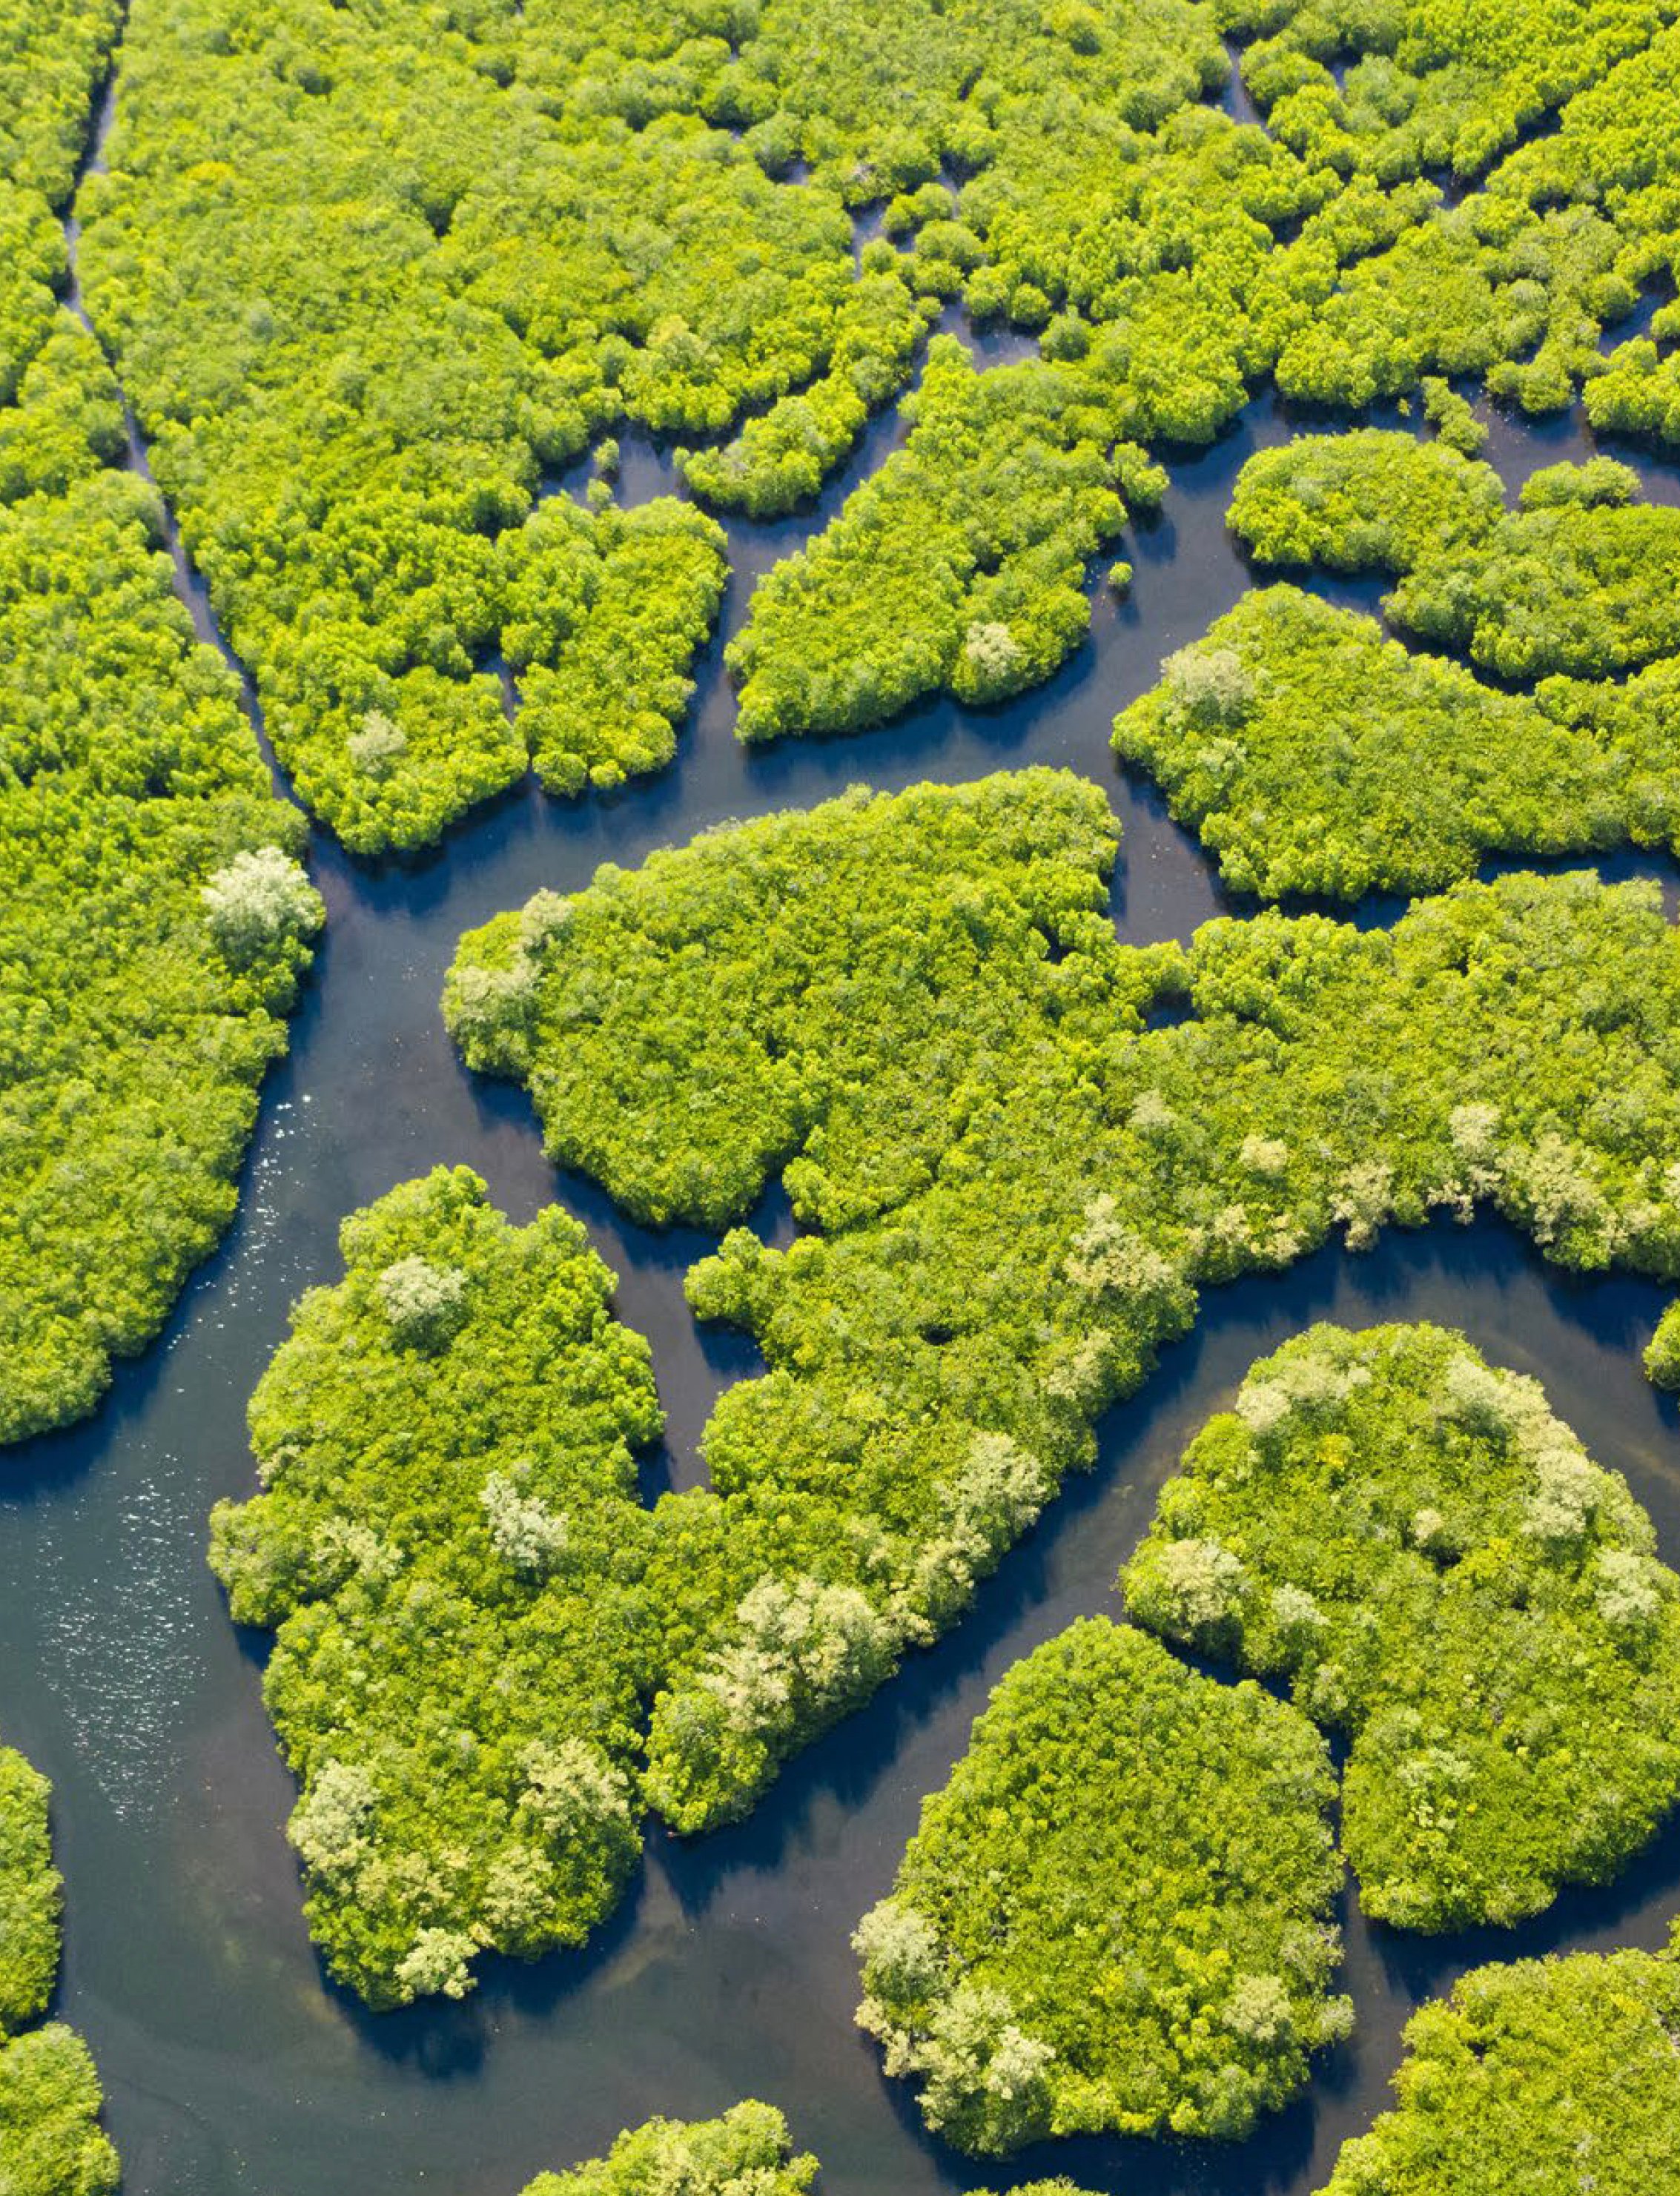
column 1431, row 1561
column 1314, row 755
column 1010, row 1184
column 1115, row 1916
column 1662, row 1353
column 603, row 617
column 51, row 2143
column 31, row 1895
column 376, row 276
column 746, row 2151
column 146, row 965
column 1542, row 2076
column 53, row 53
column 781, row 457
column 1370, row 501
column 961, row 563
column 450, row 1548
column 1174, row 260
column 1579, row 579
column 372, row 274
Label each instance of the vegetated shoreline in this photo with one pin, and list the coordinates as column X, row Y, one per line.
column 940, row 263
column 911, row 1427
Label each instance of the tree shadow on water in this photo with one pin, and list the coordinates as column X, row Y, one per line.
column 448, row 2041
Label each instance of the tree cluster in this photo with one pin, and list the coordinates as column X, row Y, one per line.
column 1579, row 579
column 1312, row 754
column 1116, row 1916
column 1011, row 1180
column 960, row 564
column 744, row 2152
column 1414, row 1545
column 1172, row 259
column 154, row 923
column 51, row 2143
column 1530, row 2079
column 374, row 277
column 450, row 1548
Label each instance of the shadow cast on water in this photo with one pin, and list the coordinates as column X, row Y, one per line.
column 1628, row 1909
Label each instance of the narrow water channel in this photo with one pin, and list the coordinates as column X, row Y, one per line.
column 231, row 2067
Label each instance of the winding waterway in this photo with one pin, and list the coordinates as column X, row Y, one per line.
column 232, row 2068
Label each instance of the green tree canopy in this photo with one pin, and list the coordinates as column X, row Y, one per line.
column 154, row 921
column 51, row 2143
column 1010, row 1182
column 1116, row 1916
column 1428, row 1558
column 1310, row 754
column 450, row 1548
column 748, row 2152
column 374, row 280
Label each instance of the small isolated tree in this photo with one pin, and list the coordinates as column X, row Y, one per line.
column 1210, row 687
column 1189, row 1590
column 529, row 1536
column 899, row 1955
column 328, row 1827
column 258, row 899
column 572, row 1791
column 994, row 657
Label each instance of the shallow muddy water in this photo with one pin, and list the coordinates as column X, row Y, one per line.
column 231, row 2067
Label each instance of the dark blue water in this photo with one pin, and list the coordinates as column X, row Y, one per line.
column 232, row 2069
